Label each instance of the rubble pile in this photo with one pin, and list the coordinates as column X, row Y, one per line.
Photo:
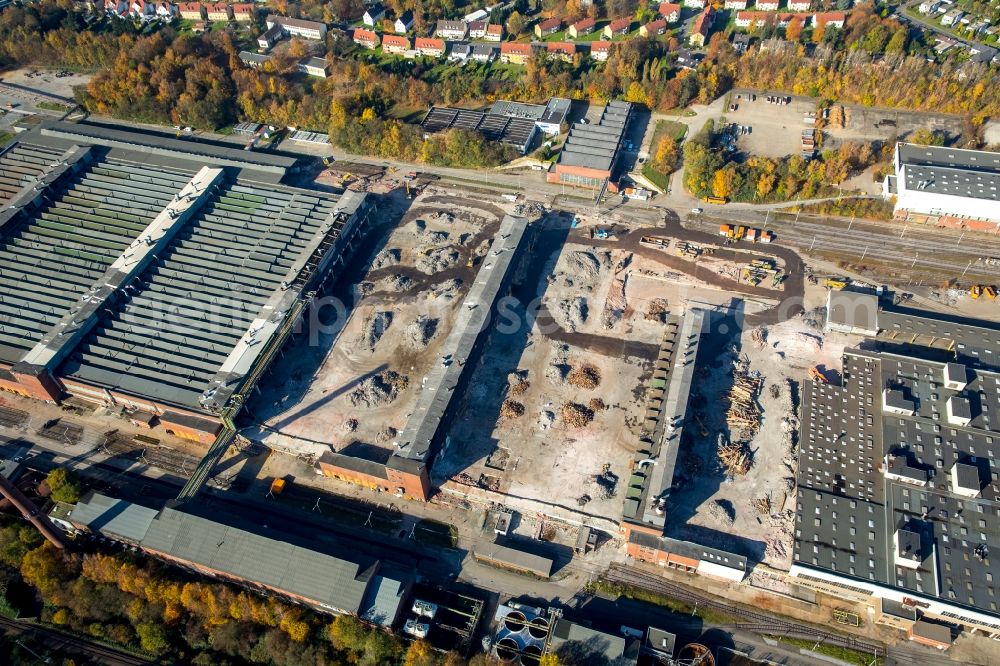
column 575, row 415
column 379, row 390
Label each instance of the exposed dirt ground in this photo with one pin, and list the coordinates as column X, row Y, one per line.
column 354, row 388
column 710, row 505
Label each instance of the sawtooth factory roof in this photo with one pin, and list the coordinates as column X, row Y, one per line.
column 151, row 266
column 596, row 146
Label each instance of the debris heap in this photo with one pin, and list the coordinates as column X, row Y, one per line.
column 576, row 415
column 736, row 457
column 743, row 413
column 585, row 377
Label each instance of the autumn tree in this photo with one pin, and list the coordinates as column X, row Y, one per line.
column 63, row 485
column 420, row 653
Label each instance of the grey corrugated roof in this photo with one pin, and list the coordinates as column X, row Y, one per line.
column 596, row 146
column 381, row 602
column 601, row 647
column 114, row 517
column 951, row 171
column 323, row 579
column 514, row 559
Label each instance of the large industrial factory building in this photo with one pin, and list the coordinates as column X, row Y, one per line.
column 156, row 274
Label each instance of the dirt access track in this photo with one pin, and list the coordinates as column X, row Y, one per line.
column 794, row 286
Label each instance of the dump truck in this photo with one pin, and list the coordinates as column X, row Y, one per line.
column 741, row 231
column 277, row 486
column 766, row 236
column 715, row 200
column 753, row 235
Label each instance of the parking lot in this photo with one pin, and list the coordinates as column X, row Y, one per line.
column 775, row 128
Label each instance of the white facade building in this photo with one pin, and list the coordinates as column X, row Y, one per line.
column 952, row 182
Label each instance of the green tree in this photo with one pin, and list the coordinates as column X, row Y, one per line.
column 64, row 486
column 515, row 23
column 152, row 637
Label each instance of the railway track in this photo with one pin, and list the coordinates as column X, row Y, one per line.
column 13, row 418
column 56, row 640
column 748, row 620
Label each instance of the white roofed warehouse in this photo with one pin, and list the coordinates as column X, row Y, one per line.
column 946, row 186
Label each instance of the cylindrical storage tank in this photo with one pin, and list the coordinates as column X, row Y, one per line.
column 696, row 654
column 515, row 621
column 531, row 656
column 507, row 649
column 538, row 628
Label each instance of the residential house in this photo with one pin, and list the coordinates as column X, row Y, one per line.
column 654, row 28
column 741, row 42
column 617, row 28
column 546, row 28
column 404, row 23
column 432, row 47
column 314, row 67
column 141, row 9
column 452, row 30
column 395, row 44
column 517, row 53
column 768, row 5
column 121, row 7
column 244, row 12
column 366, row 38
column 270, row 37
column 561, row 50
column 834, row 19
column 799, row 5
column 460, row 52
column 217, row 11
column 735, row 4
column 599, row 50
column 483, row 52
column 188, row 10
column 477, row 29
column 581, row 28
column 670, row 11
column 297, row 27
column 748, row 19
column 687, row 59
column 929, row 6
column 701, row 27
column 952, row 17
column 979, row 53
column 165, row 10
column 494, row 32
column 254, row 60
column 374, row 14
column 695, row 4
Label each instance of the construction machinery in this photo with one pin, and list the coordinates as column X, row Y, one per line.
column 659, row 242
column 741, row 231
column 817, row 375
column 726, row 230
column 836, row 282
column 976, row 291
column 277, row 487
column 990, row 291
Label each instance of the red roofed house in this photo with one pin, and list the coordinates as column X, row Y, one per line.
column 218, row 11
column 768, row 5
column 599, row 50
column 366, row 38
column 836, row 19
column 702, row 26
column 581, row 28
column 670, row 11
column 142, row 9
column 494, row 32
column 548, row 27
column 515, row 52
column 190, row 10
column 243, row 11
column 396, row 44
column 429, row 46
column 653, row 28
column 617, row 28
column 561, row 50
column 799, row 5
